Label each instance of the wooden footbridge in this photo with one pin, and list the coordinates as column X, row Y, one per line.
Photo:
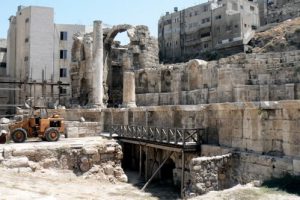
column 171, row 139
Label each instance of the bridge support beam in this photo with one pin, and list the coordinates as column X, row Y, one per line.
column 146, row 163
column 182, row 173
column 140, row 162
column 157, row 170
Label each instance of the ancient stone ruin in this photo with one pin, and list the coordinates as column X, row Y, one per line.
column 203, row 125
column 117, row 62
column 240, row 102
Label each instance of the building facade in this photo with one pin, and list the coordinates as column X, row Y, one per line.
column 4, row 86
column 225, row 26
column 39, row 54
column 3, row 52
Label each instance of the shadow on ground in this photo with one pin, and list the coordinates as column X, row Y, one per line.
column 288, row 183
column 163, row 190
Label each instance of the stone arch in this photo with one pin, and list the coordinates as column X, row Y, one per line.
column 108, row 68
column 118, row 29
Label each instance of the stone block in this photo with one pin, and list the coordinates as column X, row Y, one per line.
column 296, row 166
column 7, row 152
column 16, row 162
column 90, row 150
column 30, row 152
column 84, row 132
column 49, row 163
column 72, row 132
column 107, row 156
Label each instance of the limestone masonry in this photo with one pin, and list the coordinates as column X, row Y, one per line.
column 244, row 108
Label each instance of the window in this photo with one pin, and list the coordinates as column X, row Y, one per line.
column 196, row 13
column 205, row 8
column 230, row 39
column 205, row 20
column 228, row 28
column 26, row 58
column 63, row 72
column 254, row 27
column 62, row 90
column 2, row 64
column 245, row 25
column 63, row 54
column 252, row 8
column 242, row 7
column 26, row 20
column 26, row 40
column 205, row 46
column 63, row 35
column 234, row 6
column 218, row 17
column 236, row 26
column 218, row 29
column 3, row 49
column 205, row 35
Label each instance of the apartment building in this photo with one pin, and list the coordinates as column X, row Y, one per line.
column 3, row 52
column 224, row 26
column 39, row 54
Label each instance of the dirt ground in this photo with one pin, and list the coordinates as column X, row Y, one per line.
column 248, row 192
column 52, row 185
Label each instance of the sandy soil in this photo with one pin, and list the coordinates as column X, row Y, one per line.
column 52, row 185
column 247, row 192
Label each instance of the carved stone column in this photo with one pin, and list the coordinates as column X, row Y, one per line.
column 129, row 99
column 98, row 64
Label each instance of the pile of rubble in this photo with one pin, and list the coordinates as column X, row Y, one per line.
column 92, row 157
column 283, row 37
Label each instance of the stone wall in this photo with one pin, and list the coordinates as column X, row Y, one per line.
column 75, row 129
column 268, row 127
column 249, row 166
column 262, row 130
column 90, row 115
column 93, row 156
column 209, row 173
column 243, row 77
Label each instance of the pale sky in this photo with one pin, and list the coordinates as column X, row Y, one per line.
column 112, row 12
